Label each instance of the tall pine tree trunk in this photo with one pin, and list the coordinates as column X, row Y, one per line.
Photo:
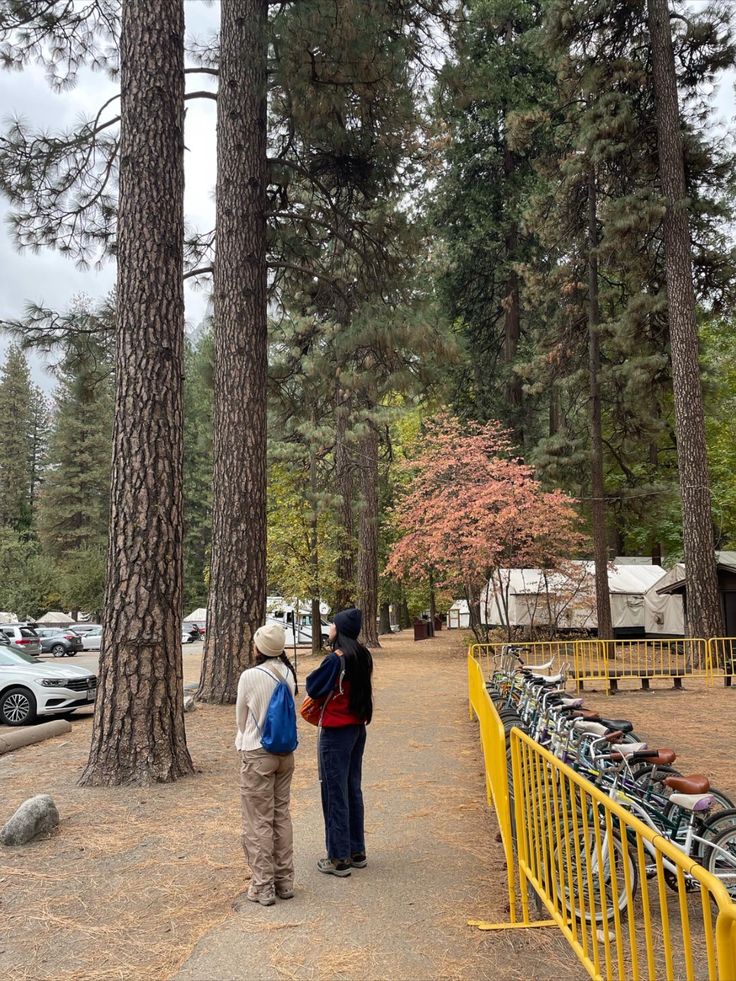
column 384, row 618
column 345, row 564
column 598, row 508
column 512, row 312
column 314, row 552
column 703, row 607
column 138, row 735
column 368, row 539
column 237, row 597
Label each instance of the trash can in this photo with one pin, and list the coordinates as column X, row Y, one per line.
column 420, row 629
column 430, row 628
column 438, row 622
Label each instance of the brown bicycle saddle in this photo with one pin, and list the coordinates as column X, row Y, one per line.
column 696, row 783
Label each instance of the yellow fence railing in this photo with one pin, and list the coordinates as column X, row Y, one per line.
column 612, row 661
column 630, row 903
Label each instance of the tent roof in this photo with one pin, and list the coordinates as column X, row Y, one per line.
column 724, row 560
column 634, row 578
column 199, row 614
column 55, row 616
column 626, row 579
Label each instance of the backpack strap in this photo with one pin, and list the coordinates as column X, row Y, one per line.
column 272, row 676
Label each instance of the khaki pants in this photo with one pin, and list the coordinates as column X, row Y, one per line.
column 265, row 788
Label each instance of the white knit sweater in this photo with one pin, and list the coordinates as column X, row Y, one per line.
column 255, row 689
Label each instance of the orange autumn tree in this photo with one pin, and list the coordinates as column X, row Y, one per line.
column 471, row 507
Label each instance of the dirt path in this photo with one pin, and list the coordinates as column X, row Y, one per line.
column 140, row 883
column 433, row 859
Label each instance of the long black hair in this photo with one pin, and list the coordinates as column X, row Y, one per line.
column 359, row 672
column 264, row 658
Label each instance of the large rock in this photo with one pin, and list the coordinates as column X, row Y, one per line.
column 36, row 816
column 189, row 703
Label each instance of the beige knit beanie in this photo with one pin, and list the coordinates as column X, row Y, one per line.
column 270, row 639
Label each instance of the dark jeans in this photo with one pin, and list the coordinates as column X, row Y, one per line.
column 340, row 771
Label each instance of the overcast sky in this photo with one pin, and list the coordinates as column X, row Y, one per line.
column 48, row 278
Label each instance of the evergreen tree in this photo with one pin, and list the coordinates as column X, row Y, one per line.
column 497, row 71
column 16, row 441
column 703, row 603
column 39, row 439
column 75, row 500
column 138, row 735
column 198, row 365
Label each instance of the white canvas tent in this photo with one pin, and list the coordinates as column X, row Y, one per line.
column 198, row 616
column 505, row 599
column 458, row 616
column 55, row 618
column 8, row 617
column 663, row 613
column 567, row 600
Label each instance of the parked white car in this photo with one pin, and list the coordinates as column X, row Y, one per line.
column 29, row 687
column 92, row 639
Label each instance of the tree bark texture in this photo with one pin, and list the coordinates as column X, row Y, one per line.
column 598, row 504
column 138, row 735
column 384, row 618
column 368, row 539
column 314, row 554
column 704, row 613
column 237, row 597
column 512, row 302
column 404, row 618
column 344, row 477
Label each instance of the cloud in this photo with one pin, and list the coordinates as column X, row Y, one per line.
column 49, row 278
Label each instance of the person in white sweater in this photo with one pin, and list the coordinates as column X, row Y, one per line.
column 265, row 778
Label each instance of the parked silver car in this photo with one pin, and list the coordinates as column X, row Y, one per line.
column 29, row 688
column 22, row 635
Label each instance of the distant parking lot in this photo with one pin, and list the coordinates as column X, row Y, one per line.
column 90, row 660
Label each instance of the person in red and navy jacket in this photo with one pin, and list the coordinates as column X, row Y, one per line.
column 344, row 679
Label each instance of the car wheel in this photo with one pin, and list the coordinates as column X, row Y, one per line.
column 58, row 650
column 17, row 707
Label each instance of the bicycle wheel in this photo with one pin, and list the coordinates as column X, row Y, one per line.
column 721, row 859
column 596, row 877
column 713, row 825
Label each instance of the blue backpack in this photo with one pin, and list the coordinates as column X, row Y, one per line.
column 279, row 726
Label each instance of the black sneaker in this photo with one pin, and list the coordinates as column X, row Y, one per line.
column 334, row 866
column 358, row 860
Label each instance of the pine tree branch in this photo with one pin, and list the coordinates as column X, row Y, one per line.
column 201, row 271
column 202, row 94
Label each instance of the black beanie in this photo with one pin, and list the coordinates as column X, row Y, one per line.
column 349, row 622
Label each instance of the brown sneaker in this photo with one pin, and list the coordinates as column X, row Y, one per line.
column 266, row 895
column 284, row 890
column 359, row 860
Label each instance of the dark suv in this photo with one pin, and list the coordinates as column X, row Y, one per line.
column 59, row 641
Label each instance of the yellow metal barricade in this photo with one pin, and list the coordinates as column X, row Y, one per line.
column 556, row 653
column 493, row 742
column 608, row 662
column 630, row 904
column 722, row 657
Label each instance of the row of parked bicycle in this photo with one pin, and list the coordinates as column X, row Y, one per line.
column 687, row 810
